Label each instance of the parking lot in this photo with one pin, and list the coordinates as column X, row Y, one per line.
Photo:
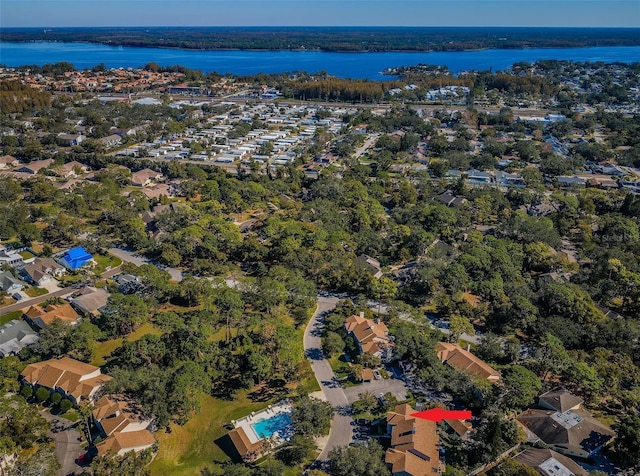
column 395, row 386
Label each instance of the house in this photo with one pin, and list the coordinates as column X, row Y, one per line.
column 478, row 177
column 72, row 169
column 128, row 283
column 72, row 378
column 14, row 336
column 42, row 317
column 505, row 179
column 122, row 443
column 414, row 444
column 68, row 140
column 145, row 177
column 372, row 337
column 90, row 300
column 9, row 284
column 7, row 161
column 464, row 361
column 370, row 265
column 156, row 191
column 113, row 140
column 35, row 166
column 561, row 423
column 450, row 200
column 117, row 413
column 43, row 270
column 461, row 427
column 549, row 463
column 123, row 425
column 9, row 257
column 76, row 258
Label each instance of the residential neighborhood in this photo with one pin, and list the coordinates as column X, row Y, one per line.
column 281, row 274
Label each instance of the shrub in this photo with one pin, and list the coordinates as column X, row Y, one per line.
column 26, row 392
column 65, row 405
column 42, row 394
column 55, row 398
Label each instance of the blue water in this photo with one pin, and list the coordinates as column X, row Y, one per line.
column 351, row 65
column 266, row 428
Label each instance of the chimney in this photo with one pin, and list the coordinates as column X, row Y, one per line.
column 361, row 313
column 468, row 347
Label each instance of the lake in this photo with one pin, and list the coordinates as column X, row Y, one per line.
column 345, row 65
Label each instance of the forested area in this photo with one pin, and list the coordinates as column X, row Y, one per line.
column 550, row 276
column 334, row 38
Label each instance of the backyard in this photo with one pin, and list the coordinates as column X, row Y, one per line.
column 187, row 449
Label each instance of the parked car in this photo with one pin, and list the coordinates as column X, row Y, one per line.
column 17, row 296
column 84, row 459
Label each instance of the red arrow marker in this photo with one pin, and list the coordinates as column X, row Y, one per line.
column 438, row 414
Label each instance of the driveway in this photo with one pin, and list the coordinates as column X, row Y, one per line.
column 68, row 443
column 139, row 260
column 396, row 387
column 340, row 434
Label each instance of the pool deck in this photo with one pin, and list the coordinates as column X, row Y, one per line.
column 246, row 423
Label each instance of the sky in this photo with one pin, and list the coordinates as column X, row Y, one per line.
column 565, row 13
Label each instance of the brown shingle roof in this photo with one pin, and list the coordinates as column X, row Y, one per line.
column 465, row 361
column 44, row 317
column 125, row 442
column 537, row 457
column 573, row 431
column 414, row 444
column 560, row 400
column 241, row 442
column 372, row 337
column 71, row 376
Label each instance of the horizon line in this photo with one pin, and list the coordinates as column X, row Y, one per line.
column 574, row 27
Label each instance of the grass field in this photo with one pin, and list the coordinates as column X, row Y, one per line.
column 103, row 262
column 35, row 291
column 104, row 349
column 189, row 448
column 10, row 317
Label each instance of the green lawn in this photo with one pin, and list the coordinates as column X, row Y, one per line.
column 189, row 448
column 26, row 254
column 104, row 262
column 10, row 317
column 35, row 291
column 71, row 415
column 104, row 349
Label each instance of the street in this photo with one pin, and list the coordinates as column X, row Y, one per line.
column 139, row 260
column 68, row 442
column 340, row 434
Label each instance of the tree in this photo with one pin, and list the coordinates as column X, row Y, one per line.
column 358, row 461
column 42, row 394
column 42, row 461
column 65, row 405
column 511, row 467
column 312, row 417
column 627, row 442
column 459, row 325
column 521, row 386
column 299, row 449
column 332, row 344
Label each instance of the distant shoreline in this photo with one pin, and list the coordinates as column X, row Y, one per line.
column 332, row 39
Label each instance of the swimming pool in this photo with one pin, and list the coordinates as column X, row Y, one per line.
column 277, row 423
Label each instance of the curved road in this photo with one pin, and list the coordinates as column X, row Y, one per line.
column 340, row 434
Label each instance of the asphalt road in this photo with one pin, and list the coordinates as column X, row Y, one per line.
column 340, row 434
column 396, row 387
column 68, row 443
column 36, row 300
column 139, row 260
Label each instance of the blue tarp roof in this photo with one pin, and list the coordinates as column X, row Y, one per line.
column 77, row 257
